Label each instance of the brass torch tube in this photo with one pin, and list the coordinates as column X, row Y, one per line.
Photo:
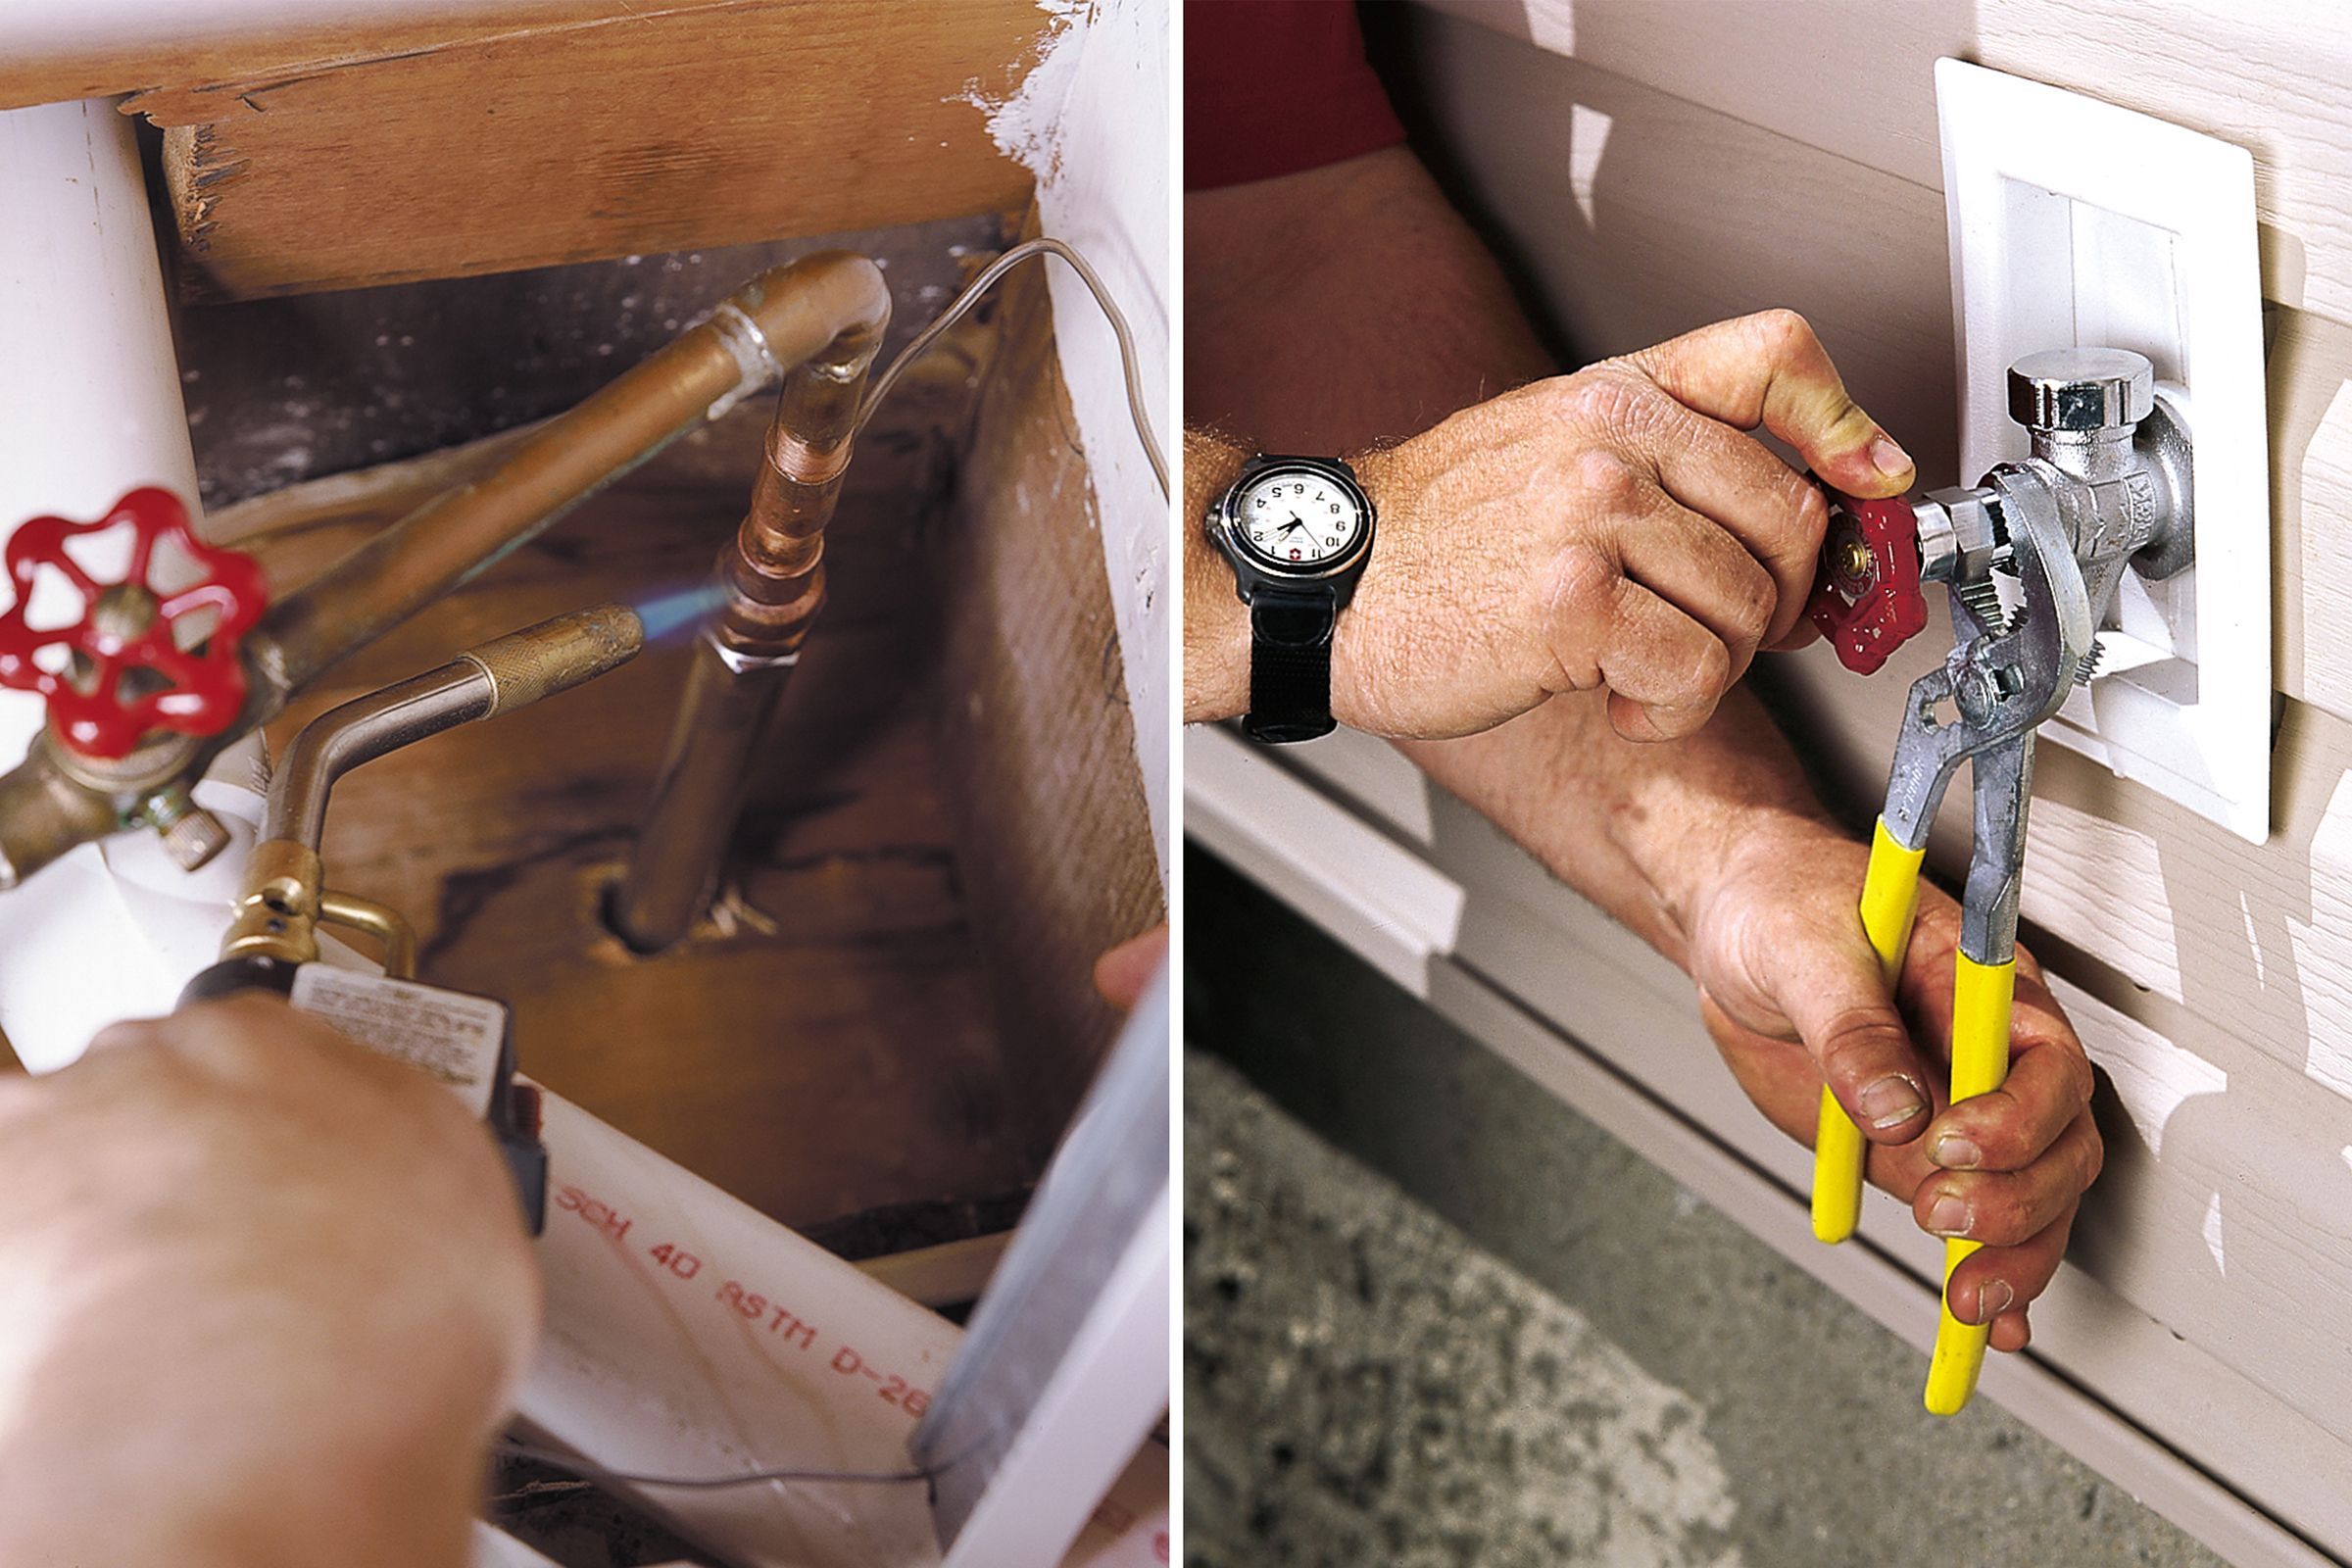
column 281, row 904
column 389, row 927
column 774, row 575
column 361, row 731
column 500, row 675
column 778, row 319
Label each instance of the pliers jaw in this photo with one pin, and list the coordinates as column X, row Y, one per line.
column 2003, row 677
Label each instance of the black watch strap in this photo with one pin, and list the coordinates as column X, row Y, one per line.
column 1289, row 663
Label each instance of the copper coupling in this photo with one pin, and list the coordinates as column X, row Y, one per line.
column 775, row 570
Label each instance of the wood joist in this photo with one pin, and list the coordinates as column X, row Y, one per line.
column 375, row 152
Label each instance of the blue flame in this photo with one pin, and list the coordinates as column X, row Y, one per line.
column 678, row 609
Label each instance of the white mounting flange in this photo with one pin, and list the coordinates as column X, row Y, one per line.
column 2075, row 222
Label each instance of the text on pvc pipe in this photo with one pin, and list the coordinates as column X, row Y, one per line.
column 680, row 1266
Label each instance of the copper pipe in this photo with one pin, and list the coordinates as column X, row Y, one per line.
column 774, row 578
column 673, row 868
column 775, row 570
column 781, row 319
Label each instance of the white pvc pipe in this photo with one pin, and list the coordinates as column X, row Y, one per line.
column 90, row 407
column 495, row 1548
column 89, row 390
column 688, row 1334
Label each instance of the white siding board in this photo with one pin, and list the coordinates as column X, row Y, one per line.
column 2310, row 376
column 1854, row 78
column 1851, row 75
column 1696, row 215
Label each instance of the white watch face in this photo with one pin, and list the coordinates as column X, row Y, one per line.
column 1298, row 518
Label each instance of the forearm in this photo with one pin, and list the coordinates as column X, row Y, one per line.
column 1641, row 830
column 1343, row 308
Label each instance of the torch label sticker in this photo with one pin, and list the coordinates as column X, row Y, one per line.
column 454, row 1036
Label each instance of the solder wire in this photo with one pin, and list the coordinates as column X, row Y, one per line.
column 590, row 1470
column 995, row 270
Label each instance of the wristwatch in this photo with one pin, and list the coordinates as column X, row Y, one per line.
column 1297, row 531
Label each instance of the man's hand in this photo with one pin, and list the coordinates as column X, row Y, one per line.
column 1122, row 973
column 1792, row 993
column 267, row 1297
column 1616, row 529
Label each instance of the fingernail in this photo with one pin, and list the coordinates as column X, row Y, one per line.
column 1955, row 1153
column 1992, row 1300
column 1891, row 1101
column 1948, row 1217
column 1891, row 460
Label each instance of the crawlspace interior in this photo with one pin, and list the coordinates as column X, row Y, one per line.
column 881, row 1032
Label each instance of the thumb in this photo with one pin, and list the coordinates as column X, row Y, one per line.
column 1771, row 369
column 1839, row 1003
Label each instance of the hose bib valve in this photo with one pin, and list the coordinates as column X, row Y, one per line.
column 121, row 669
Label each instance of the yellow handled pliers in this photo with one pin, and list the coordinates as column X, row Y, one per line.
column 2005, row 675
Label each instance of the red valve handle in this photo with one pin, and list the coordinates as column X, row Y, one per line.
column 1868, row 602
column 97, row 709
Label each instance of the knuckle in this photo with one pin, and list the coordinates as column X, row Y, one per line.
column 1753, row 604
column 1856, row 1038
column 1668, row 721
column 1584, row 580
column 1995, row 1221
column 1782, row 331
column 1809, row 521
column 2013, row 1221
column 2094, row 1158
column 2083, row 1081
column 2007, row 1143
column 228, row 1030
column 1707, row 675
column 125, row 1036
column 1604, row 477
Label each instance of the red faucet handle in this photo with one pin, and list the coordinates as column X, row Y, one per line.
column 118, row 670
column 1868, row 601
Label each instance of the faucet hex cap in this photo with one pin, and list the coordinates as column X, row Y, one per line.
column 2081, row 390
